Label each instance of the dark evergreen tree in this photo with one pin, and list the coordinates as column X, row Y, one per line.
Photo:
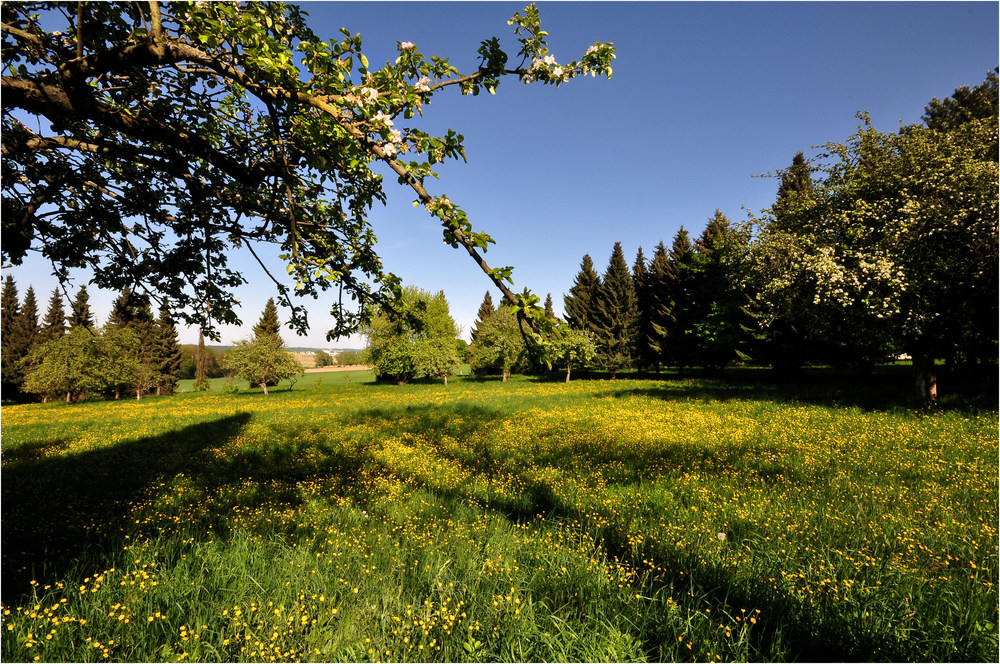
column 550, row 313
column 615, row 314
column 54, row 323
column 268, row 323
column 10, row 309
column 642, row 282
column 680, row 342
column 123, row 309
column 578, row 305
column 23, row 338
column 486, row 309
column 964, row 105
column 660, row 303
column 717, row 294
column 80, row 315
column 201, row 365
column 167, row 356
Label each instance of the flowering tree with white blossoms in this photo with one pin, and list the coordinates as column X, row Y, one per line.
column 146, row 141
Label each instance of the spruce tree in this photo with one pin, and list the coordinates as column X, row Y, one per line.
column 550, row 313
column 80, row 314
column 660, row 304
column 486, row 309
column 680, row 346
column 578, row 305
column 201, row 365
column 268, row 323
column 642, row 281
column 167, row 353
column 54, row 324
column 717, row 296
column 615, row 314
column 123, row 309
column 9, row 312
column 24, row 337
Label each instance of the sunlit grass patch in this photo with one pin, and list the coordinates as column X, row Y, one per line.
column 625, row 520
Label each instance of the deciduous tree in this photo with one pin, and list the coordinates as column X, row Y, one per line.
column 262, row 361
column 164, row 135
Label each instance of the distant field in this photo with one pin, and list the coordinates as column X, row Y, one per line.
column 597, row 520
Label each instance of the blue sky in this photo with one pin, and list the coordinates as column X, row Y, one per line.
column 704, row 98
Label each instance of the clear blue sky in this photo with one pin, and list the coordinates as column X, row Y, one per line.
column 704, row 97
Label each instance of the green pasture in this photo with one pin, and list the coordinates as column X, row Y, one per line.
column 633, row 520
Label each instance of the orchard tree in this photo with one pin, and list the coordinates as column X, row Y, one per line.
column 201, row 383
column 572, row 348
column 148, row 140
column 262, row 361
column 899, row 248
column 72, row 366
column 500, row 346
column 417, row 339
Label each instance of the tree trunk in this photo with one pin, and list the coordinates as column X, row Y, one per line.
column 924, row 377
column 446, row 381
column 569, row 367
column 264, row 385
column 68, row 395
column 504, row 375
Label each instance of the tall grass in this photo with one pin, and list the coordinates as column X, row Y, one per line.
column 597, row 520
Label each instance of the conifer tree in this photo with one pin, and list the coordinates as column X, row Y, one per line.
column 167, row 353
column 486, row 309
column 80, row 314
column 578, row 305
column 680, row 346
column 642, row 282
column 201, row 365
column 24, row 337
column 615, row 314
column 9, row 311
column 54, row 323
column 550, row 313
column 660, row 303
column 718, row 301
column 268, row 323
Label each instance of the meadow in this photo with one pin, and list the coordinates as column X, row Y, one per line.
column 629, row 520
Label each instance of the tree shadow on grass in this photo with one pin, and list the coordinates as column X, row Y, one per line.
column 59, row 509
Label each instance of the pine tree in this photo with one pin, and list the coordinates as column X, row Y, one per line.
column 80, row 315
column 615, row 314
column 486, row 309
column 550, row 313
column 578, row 305
column 201, row 365
column 167, row 353
column 9, row 311
column 54, row 324
column 268, row 323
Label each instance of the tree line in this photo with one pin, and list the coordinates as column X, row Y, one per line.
column 66, row 355
column 880, row 247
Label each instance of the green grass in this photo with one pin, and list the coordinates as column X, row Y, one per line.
column 629, row 520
